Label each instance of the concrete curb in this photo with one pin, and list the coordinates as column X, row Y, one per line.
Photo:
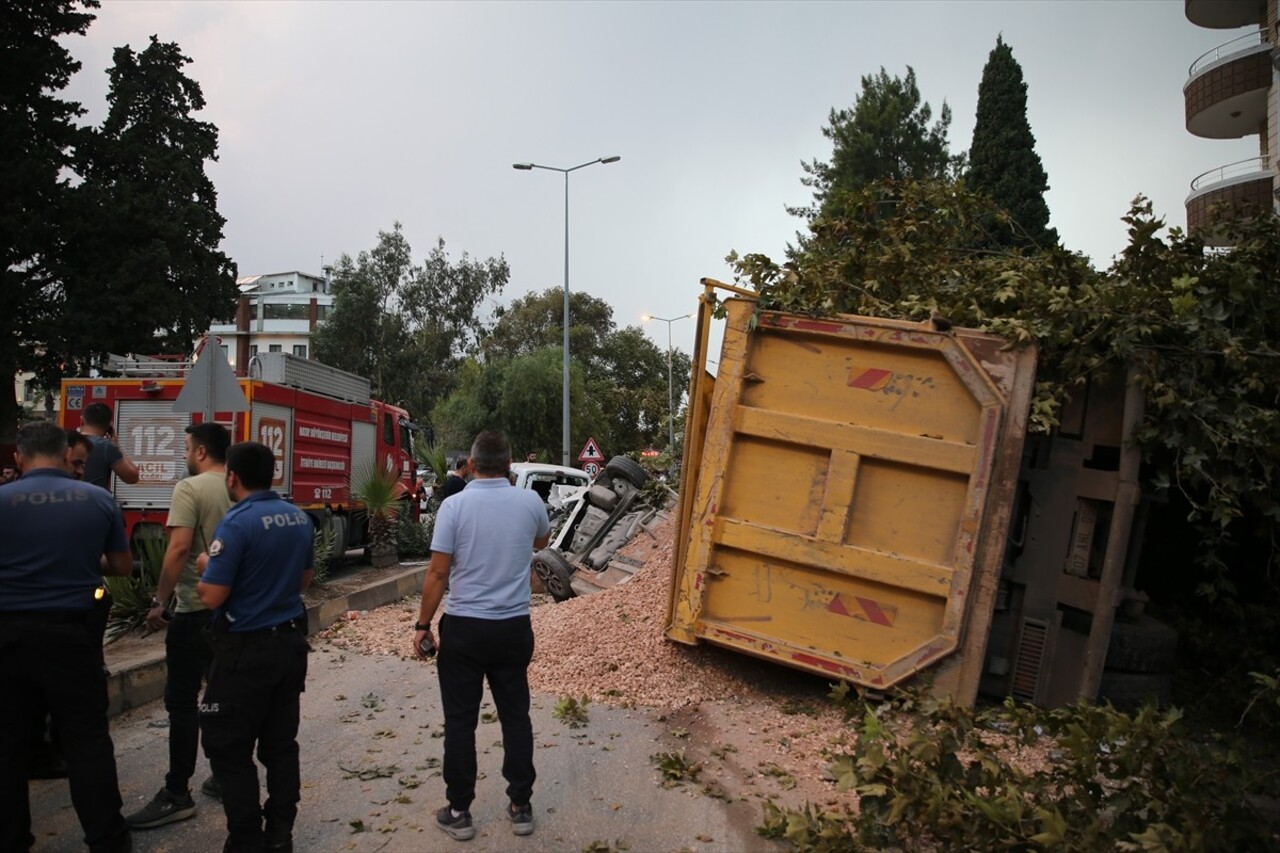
column 138, row 682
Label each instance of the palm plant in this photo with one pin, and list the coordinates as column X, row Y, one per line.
column 380, row 490
column 432, row 456
column 131, row 595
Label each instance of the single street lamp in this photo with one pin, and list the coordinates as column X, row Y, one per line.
column 527, row 167
column 671, row 403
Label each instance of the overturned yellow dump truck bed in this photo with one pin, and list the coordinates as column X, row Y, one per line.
column 846, row 492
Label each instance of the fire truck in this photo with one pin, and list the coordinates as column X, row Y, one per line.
column 321, row 423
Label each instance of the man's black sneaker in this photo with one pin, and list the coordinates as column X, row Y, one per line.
column 521, row 818
column 279, row 845
column 459, row 828
column 209, row 787
column 165, row 807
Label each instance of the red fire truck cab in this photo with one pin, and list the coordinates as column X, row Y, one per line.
column 320, row 422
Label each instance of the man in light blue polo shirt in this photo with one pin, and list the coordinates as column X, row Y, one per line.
column 482, row 547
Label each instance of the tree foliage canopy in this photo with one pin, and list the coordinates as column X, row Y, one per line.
column 618, row 379
column 145, row 235
column 407, row 327
column 1003, row 162
column 37, row 135
column 126, row 259
column 1202, row 329
column 886, row 135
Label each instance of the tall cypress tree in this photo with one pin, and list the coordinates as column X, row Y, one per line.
column 1003, row 162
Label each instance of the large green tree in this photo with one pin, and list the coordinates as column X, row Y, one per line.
column 1003, row 162
column 367, row 333
column 407, row 327
column 618, row 379
column 37, row 135
column 536, row 320
column 443, row 302
column 144, row 245
column 888, row 134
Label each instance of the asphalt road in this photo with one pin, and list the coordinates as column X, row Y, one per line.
column 371, row 746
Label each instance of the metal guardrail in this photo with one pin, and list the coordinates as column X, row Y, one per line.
column 1258, row 165
column 1239, row 44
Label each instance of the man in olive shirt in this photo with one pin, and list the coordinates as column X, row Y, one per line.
column 198, row 505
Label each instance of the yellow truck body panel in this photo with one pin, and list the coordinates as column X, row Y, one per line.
column 846, row 493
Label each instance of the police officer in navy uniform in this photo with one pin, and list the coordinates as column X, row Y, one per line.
column 257, row 566
column 54, row 533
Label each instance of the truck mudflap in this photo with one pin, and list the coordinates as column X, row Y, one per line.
column 845, row 494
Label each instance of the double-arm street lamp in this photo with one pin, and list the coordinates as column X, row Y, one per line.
column 671, row 402
column 527, row 167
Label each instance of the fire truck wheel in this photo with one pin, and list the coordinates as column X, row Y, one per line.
column 627, row 469
column 1143, row 645
column 553, row 570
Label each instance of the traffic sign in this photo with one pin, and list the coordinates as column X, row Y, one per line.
column 591, row 452
column 211, row 386
column 592, row 469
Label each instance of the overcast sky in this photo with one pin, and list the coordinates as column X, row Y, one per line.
column 339, row 118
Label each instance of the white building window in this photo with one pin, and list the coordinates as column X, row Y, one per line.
column 253, row 349
column 300, row 350
column 275, row 348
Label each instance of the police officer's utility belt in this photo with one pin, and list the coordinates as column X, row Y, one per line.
column 293, row 626
column 66, row 617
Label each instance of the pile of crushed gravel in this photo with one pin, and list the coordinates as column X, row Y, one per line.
column 766, row 730
column 608, row 646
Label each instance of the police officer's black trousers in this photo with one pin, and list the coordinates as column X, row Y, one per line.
column 187, row 657
column 472, row 650
column 57, row 665
column 252, row 698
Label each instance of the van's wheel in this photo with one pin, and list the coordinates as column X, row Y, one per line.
column 1144, row 645
column 627, row 469
column 553, row 570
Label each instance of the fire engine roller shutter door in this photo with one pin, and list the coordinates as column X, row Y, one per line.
column 273, row 426
column 151, row 435
column 364, row 444
column 844, row 478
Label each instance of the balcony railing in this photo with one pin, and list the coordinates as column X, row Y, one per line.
column 1242, row 44
column 1256, row 166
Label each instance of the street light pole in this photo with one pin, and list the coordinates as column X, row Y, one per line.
column 671, row 403
column 527, row 167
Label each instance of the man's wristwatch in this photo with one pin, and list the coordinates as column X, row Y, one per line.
column 422, row 626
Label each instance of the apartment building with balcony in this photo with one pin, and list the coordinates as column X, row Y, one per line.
column 275, row 313
column 1233, row 92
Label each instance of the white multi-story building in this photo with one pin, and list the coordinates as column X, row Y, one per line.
column 275, row 313
column 1233, row 92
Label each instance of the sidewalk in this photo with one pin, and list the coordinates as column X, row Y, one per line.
column 138, row 669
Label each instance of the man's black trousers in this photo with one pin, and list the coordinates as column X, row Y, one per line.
column 187, row 656
column 472, row 650
column 252, row 699
column 57, row 665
